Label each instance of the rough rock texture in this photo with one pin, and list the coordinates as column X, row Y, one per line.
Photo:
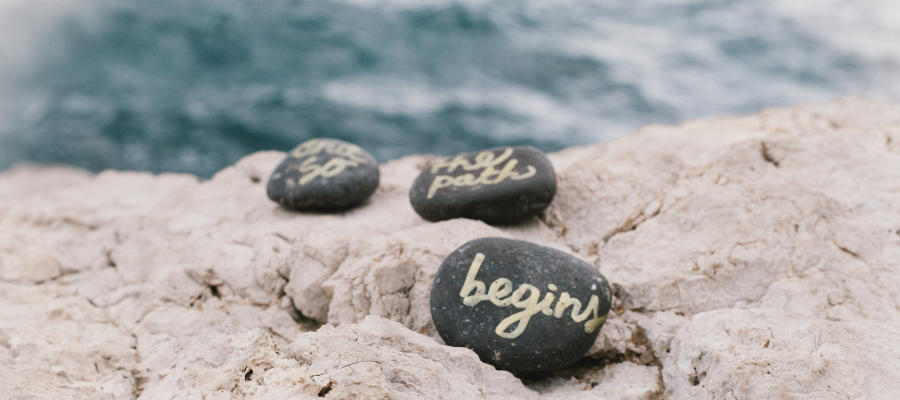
column 751, row 257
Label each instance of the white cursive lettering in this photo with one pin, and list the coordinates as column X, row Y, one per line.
column 489, row 175
column 346, row 155
column 530, row 305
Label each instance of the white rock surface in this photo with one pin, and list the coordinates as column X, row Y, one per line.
column 751, row 257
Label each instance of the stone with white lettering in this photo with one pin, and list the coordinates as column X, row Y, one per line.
column 503, row 185
column 324, row 174
column 520, row 306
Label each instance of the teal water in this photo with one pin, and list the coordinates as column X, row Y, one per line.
column 193, row 85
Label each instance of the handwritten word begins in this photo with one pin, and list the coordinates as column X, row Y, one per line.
column 347, row 155
column 502, row 287
column 485, row 160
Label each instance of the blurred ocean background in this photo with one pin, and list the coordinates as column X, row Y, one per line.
column 193, row 85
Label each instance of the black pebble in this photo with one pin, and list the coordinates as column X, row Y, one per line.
column 503, row 185
column 546, row 342
column 324, row 174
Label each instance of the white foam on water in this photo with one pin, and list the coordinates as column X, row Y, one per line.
column 675, row 51
column 29, row 29
column 29, row 32
column 558, row 72
column 869, row 29
column 543, row 115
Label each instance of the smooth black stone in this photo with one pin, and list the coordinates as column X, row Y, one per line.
column 324, row 174
column 547, row 342
column 490, row 193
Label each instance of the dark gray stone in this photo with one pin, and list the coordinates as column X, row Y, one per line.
column 324, row 174
column 503, row 185
column 518, row 305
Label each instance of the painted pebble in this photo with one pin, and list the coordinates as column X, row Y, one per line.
column 518, row 305
column 324, row 174
column 503, row 185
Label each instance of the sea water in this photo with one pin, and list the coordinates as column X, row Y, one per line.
column 193, row 85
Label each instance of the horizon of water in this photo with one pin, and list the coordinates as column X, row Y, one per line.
column 193, row 85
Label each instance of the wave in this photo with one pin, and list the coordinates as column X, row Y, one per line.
column 191, row 86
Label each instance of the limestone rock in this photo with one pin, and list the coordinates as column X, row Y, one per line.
column 718, row 236
column 779, row 353
column 394, row 279
column 61, row 343
column 378, row 358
